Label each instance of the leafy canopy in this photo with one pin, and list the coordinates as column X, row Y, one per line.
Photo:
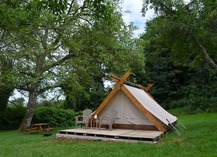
column 190, row 28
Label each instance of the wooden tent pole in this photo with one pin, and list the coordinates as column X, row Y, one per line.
column 116, row 79
column 149, row 87
column 110, row 95
column 127, row 82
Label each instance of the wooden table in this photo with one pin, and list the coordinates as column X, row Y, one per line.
column 94, row 123
column 40, row 127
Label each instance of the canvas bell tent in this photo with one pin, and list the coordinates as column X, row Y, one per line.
column 136, row 108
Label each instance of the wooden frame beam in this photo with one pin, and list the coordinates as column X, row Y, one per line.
column 116, row 79
column 149, row 87
column 146, row 89
column 110, row 95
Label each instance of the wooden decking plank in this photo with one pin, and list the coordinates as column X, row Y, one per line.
column 142, row 134
column 115, row 133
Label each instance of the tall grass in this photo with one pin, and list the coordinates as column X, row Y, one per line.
column 198, row 140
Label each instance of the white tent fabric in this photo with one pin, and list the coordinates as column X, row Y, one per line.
column 128, row 113
column 151, row 105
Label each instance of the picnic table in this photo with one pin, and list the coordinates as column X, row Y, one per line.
column 40, row 127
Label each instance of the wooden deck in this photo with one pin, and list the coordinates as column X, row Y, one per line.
column 111, row 135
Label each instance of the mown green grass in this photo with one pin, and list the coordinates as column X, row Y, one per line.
column 198, row 140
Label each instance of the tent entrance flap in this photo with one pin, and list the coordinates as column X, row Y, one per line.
column 128, row 113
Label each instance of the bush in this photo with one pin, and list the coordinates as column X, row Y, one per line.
column 199, row 103
column 56, row 117
column 12, row 117
column 178, row 111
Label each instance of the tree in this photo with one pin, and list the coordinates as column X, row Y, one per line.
column 189, row 28
column 51, row 44
column 167, row 75
column 178, row 81
column 109, row 47
column 7, row 82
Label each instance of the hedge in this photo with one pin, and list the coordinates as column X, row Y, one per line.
column 12, row 117
column 56, row 117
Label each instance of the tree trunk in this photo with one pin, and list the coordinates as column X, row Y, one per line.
column 204, row 52
column 26, row 122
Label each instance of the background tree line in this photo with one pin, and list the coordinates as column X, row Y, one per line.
column 180, row 51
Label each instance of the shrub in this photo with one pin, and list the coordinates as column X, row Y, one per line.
column 201, row 104
column 12, row 117
column 56, row 117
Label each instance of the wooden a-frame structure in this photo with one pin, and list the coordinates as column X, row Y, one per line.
column 160, row 122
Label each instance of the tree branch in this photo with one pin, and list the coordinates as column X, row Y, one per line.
column 70, row 8
column 204, row 52
column 40, row 91
column 80, row 8
column 62, row 60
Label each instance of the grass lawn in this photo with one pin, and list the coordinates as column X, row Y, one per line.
column 198, row 140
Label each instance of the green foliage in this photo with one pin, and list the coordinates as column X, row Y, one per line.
column 51, row 103
column 181, row 75
column 57, row 7
column 56, row 117
column 65, row 44
column 106, row 48
column 181, row 86
column 17, row 102
column 11, row 117
column 185, row 28
column 4, row 96
column 91, row 98
column 176, row 87
column 178, row 111
column 6, row 82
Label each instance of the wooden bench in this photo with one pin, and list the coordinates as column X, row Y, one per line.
column 40, row 127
